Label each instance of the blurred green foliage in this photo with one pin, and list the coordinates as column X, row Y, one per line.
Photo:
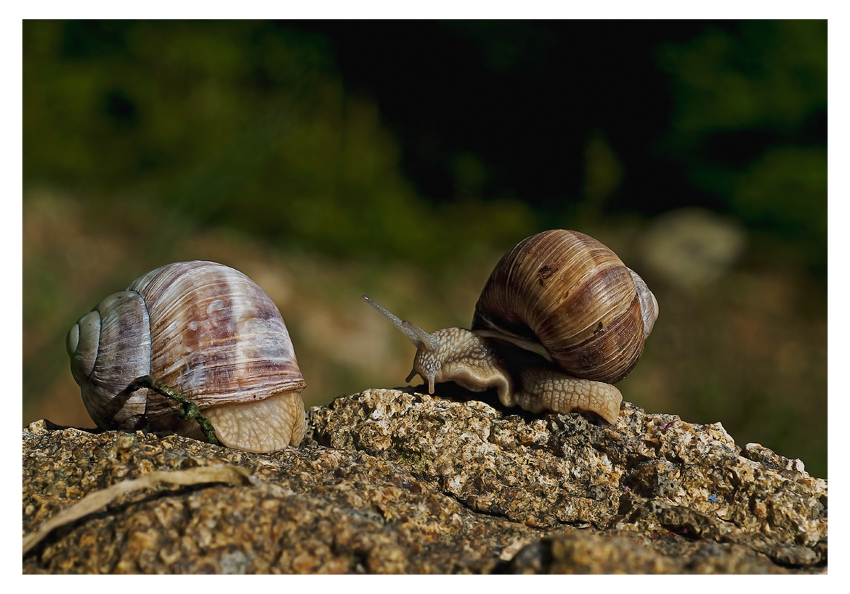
column 749, row 124
column 248, row 124
column 399, row 157
column 240, row 123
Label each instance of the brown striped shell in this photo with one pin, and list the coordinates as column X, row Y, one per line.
column 566, row 296
column 206, row 330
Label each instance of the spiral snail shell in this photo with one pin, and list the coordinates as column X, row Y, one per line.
column 205, row 330
column 578, row 314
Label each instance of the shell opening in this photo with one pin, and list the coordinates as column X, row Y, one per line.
column 523, row 343
column 648, row 303
column 265, row 425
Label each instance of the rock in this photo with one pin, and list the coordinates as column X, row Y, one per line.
column 390, row 481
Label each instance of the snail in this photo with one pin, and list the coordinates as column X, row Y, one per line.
column 559, row 321
column 198, row 329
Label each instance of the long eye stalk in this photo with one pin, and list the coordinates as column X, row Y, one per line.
column 423, row 342
column 428, row 342
column 410, row 334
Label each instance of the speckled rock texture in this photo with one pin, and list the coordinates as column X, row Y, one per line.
column 390, row 481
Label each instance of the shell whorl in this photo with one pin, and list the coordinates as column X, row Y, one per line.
column 112, row 348
column 572, row 295
column 217, row 336
column 205, row 330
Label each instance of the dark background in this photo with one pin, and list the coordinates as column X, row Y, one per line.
column 401, row 159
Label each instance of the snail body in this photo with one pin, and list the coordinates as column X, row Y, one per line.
column 559, row 321
column 205, row 330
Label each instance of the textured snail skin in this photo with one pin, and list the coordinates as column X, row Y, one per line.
column 472, row 362
column 547, row 388
column 205, row 330
column 559, row 321
column 465, row 359
column 265, row 425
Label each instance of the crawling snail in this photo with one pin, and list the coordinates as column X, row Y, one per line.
column 200, row 330
column 578, row 315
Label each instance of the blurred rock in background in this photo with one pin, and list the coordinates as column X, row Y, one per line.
column 691, row 247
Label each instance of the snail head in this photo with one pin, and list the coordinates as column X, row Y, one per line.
column 450, row 355
column 427, row 346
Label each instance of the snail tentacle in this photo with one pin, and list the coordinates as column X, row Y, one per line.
column 429, row 343
column 411, row 336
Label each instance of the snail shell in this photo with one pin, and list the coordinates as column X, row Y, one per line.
column 578, row 313
column 209, row 332
column 569, row 298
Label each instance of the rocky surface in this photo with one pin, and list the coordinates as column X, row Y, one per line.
column 391, row 481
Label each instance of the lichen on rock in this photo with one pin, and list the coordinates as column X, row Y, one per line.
column 394, row 481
